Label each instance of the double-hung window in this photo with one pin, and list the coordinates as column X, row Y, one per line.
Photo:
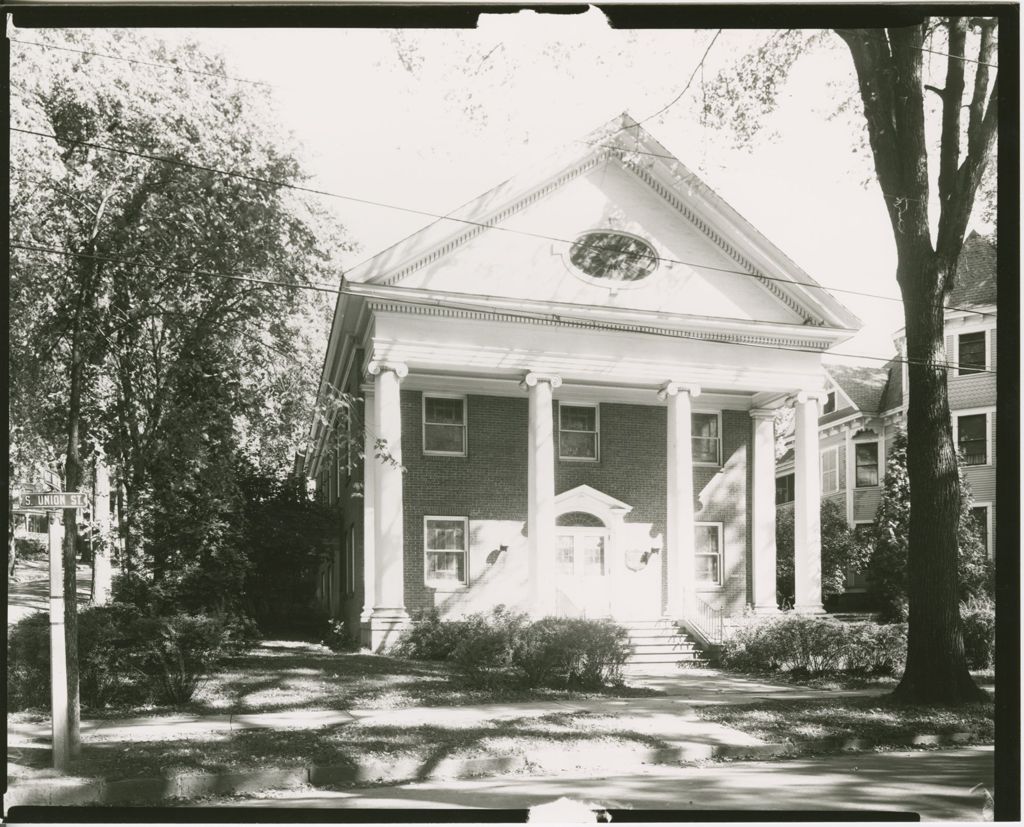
column 784, row 489
column 446, row 542
column 830, row 470
column 971, row 349
column 578, row 432
column 708, row 553
column 972, row 438
column 706, row 438
column 444, row 425
column 866, row 456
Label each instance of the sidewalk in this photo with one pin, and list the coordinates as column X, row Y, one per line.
column 936, row 785
column 671, row 728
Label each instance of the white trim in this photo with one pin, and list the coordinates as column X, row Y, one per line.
column 878, row 463
column 596, row 432
column 989, row 412
column 612, row 285
column 423, row 425
column 821, row 469
column 718, row 416
column 447, row 585
column 989, row 507
column 702, row 586
column 955, row 373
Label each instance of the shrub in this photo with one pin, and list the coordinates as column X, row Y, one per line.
column 553, row 651
column 559, row 651
column 816, row 645
column 338, row 637
column 124, row 656
column 28, row 662
column 978, row 625
column 182, row 649
column 429, row 638
column 487, row 641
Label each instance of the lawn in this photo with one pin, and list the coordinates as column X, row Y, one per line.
column 280, row 676
column 824, row 726
column 277, row 676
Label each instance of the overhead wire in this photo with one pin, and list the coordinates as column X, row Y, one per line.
column 469, row 222
column 558, row 317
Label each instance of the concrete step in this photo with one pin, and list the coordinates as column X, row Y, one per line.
column 666, row 657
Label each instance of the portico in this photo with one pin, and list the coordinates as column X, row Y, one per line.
column 630, row 374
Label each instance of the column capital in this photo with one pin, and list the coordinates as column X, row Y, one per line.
column 803, row 397
column 762, row 413
column 673, row 389
column 531, row 379
column 400, row 369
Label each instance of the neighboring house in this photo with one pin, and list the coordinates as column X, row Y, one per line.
column 866, row 406
column 578, row 384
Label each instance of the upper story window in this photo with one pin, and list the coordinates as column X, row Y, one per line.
column 605, row 254
column 784, row 489
column 444, row 425
column 706, row 438
column 578, row 434
column 830, row 470
column 972, row 438
column 971, row 353
column 866, row 456
column 830, row 403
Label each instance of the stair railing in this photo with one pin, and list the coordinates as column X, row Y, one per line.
column 708, row 620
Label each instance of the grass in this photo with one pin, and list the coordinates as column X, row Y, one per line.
column 880, row 721
column 843, row 681
column 277, row 676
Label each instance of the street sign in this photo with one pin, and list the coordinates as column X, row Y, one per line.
column 55, row 499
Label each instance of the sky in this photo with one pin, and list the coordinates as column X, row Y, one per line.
column 429, row 118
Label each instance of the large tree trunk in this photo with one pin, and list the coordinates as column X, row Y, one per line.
column 101, row 567
column 936, row 670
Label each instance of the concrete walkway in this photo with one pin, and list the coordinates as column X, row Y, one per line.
column 949, row 785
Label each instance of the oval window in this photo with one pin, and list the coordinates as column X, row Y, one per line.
column 613, row 256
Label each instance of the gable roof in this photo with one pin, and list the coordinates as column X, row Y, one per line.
column 625, row 141
column 864, row 384
column 892, row 396
column 975, row 273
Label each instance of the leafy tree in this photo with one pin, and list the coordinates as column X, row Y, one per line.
column 909, row 138
column 120, row 335
column 887, row 568
column 841, row 551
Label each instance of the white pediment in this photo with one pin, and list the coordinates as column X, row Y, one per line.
column 514, row 243
column 591, row 501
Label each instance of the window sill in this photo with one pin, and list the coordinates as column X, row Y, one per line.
column 578, row 459
column 443, row 453
column 446, row 588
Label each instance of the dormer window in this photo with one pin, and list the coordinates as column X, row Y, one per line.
column 614, row 256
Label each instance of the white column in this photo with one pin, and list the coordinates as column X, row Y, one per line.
column 101, row 570
column 369, row 527
column 807, row 506
column 60, row 725
column 679, row 532
column 541, row 493
column 389, row 613
column 762, row 504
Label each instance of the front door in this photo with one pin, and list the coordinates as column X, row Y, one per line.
column 581, row 573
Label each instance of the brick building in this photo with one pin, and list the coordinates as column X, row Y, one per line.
column 568, row 399
column 864, row 408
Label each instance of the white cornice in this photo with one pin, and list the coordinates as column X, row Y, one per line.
column 529, row 311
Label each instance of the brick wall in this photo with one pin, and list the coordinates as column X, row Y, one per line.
column 489, row 486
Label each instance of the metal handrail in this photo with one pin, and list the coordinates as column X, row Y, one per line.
column 708, row 620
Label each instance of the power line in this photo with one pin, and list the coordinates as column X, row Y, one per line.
column 480, row 224
column 888, row 42
column 160, row 64
column 565, row 319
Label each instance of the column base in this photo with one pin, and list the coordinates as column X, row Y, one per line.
column 811, row 609
column 383, row 628
column 767, row 610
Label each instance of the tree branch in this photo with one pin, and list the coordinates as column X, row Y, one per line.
column 949, row 142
